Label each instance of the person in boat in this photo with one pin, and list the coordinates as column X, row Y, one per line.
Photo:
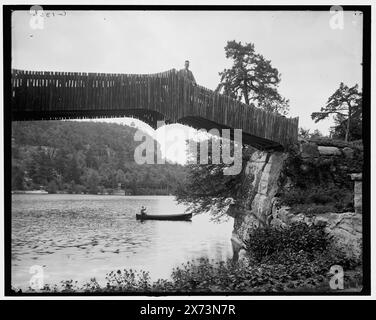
column 186, row 73
column 143, row 211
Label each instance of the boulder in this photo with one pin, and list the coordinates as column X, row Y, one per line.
column 329, row 151
column 356, row 176
column 346, row 228
column 309, row 150
column 348, row 152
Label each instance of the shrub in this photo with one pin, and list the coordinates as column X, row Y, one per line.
column 297, row 196
column 128, row 280
column 91, row 286
column 321, row 181
column 313, row 209
column 299, row 237
column 319, row 199
column 285, row 270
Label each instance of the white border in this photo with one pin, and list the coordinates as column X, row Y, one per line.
column 202, row 2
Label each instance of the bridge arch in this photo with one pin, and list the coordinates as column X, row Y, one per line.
column 248, row 139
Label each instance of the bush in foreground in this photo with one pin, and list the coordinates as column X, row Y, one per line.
column 298, row 237
column 295, row 273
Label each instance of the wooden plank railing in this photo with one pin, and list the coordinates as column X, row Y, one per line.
column 166, row 95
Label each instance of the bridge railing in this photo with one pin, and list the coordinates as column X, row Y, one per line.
column 59, row 95
column 209, row 104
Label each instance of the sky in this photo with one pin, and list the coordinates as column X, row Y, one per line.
column 312, row 57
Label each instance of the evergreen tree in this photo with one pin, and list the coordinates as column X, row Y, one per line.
column 346, row 104
column 252, row 78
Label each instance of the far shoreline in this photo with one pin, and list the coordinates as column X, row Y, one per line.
column 43, row 192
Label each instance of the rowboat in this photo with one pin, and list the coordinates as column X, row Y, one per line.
column 171, row 217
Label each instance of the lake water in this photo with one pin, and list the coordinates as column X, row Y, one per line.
column 84, row 236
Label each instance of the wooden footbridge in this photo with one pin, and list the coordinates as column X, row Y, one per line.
column 164, row 96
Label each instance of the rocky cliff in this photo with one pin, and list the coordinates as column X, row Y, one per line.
column 310, row 183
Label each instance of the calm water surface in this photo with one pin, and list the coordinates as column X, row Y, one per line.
column 84, row 236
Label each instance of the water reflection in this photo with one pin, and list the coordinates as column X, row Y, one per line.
column 81, row 236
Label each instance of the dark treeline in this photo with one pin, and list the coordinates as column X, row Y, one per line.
column 84, row 157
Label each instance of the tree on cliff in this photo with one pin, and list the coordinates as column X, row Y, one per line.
column 252, row 79
column 206, row 188
column 339, row 130
column 346, row 104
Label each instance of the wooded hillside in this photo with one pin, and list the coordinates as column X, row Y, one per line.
column 84, row 157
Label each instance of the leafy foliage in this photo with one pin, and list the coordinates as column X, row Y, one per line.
column 264, row 243
column 287, row 271
column 84, row 157
column 355, row 125
column 322, row 184
column 307, row 135
column 319, row 200
column 206, row 187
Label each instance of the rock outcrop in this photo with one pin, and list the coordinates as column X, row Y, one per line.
column 358, row 198
column 260, row 207
column 346, row 227
column 263, row 171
